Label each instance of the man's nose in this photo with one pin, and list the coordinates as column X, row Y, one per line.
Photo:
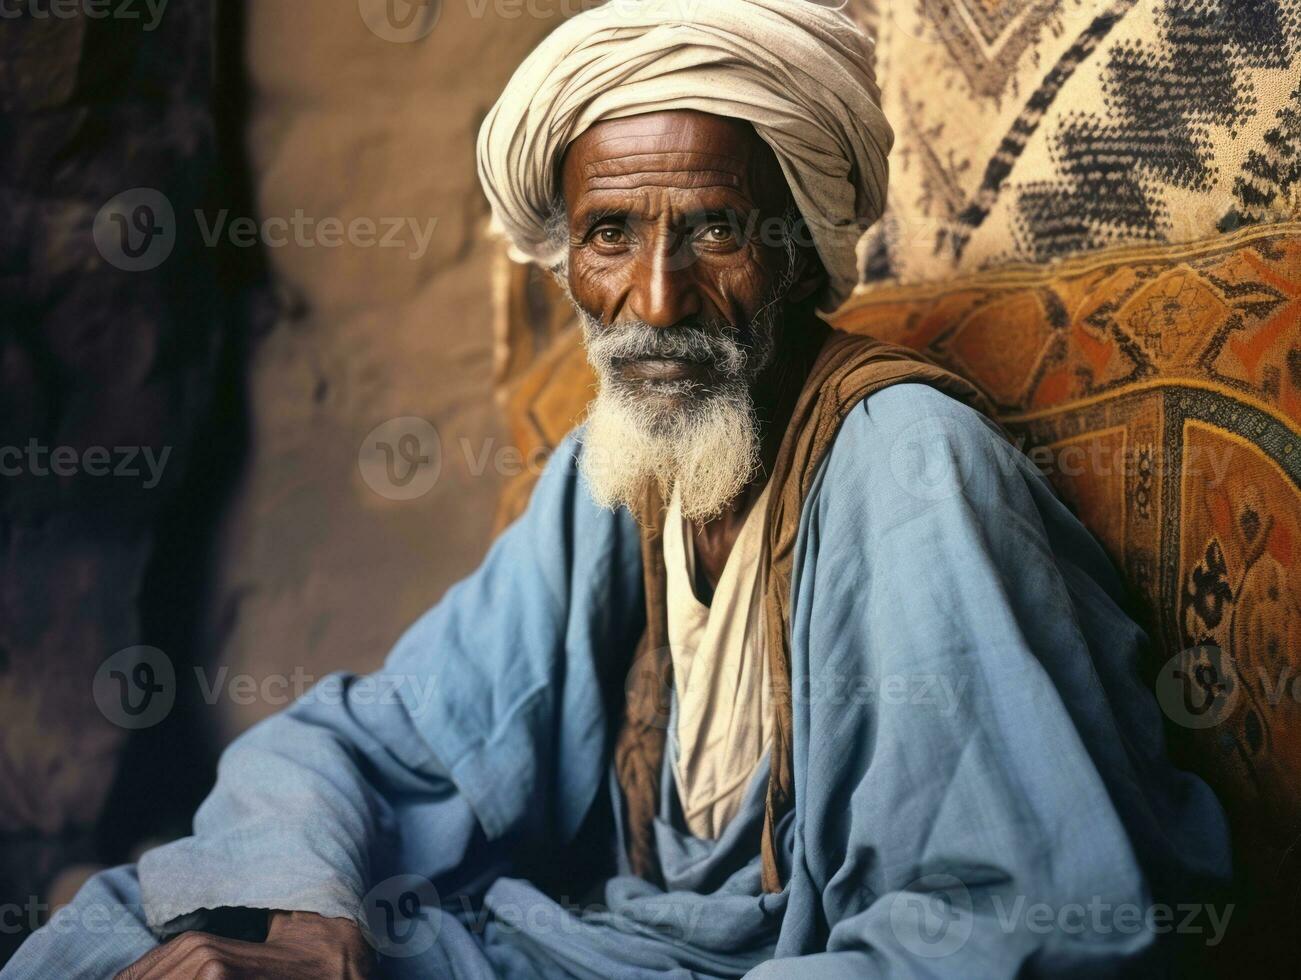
column 664, row 291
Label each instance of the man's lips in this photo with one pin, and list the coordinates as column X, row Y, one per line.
column 662, row 369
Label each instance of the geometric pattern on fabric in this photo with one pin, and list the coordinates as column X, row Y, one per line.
column 1030, row 130
column 1096, row 202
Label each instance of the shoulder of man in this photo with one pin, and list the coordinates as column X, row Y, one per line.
column 911, row 448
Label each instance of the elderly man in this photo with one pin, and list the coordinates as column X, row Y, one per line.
column 793, row 667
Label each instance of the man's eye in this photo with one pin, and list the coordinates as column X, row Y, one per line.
column 609, row 235
column 716, row 234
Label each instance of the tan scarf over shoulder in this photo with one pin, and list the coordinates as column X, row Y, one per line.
column 848, row 369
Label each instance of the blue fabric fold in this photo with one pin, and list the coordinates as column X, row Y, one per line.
column 971, row 740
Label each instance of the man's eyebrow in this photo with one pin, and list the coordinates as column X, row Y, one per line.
column 589, row 218
column 737, row 211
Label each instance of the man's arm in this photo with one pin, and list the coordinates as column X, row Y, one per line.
column 985, row 791
column 485, row 726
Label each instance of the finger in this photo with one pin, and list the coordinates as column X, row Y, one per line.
column 143, row 966
column 280, row 922
column 183, row 957
column 180, row 957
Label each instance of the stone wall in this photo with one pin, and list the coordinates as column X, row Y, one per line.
column 112, row 331
column 322, row 561
column 302, row 283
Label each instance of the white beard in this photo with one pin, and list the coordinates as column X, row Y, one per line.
column 707, row 454
column 703, row 443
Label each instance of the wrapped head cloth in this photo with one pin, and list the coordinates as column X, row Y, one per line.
column 799, row 71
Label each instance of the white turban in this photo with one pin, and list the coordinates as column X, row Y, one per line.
column 798, row 71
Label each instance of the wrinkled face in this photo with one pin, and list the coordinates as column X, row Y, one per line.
column 676, row 223
column 682, row 260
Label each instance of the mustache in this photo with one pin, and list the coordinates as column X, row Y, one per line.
column 708, row 342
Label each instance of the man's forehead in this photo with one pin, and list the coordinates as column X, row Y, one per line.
column 684, row 148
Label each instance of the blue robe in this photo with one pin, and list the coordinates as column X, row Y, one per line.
column 971, row 742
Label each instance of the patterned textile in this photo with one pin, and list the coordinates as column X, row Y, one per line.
column 1095, row 215
column 1030, row 130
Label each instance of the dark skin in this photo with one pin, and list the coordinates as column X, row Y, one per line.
column 658, row 208
column 298, row 946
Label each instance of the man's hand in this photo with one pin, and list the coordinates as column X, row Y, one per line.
column 298, row 945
